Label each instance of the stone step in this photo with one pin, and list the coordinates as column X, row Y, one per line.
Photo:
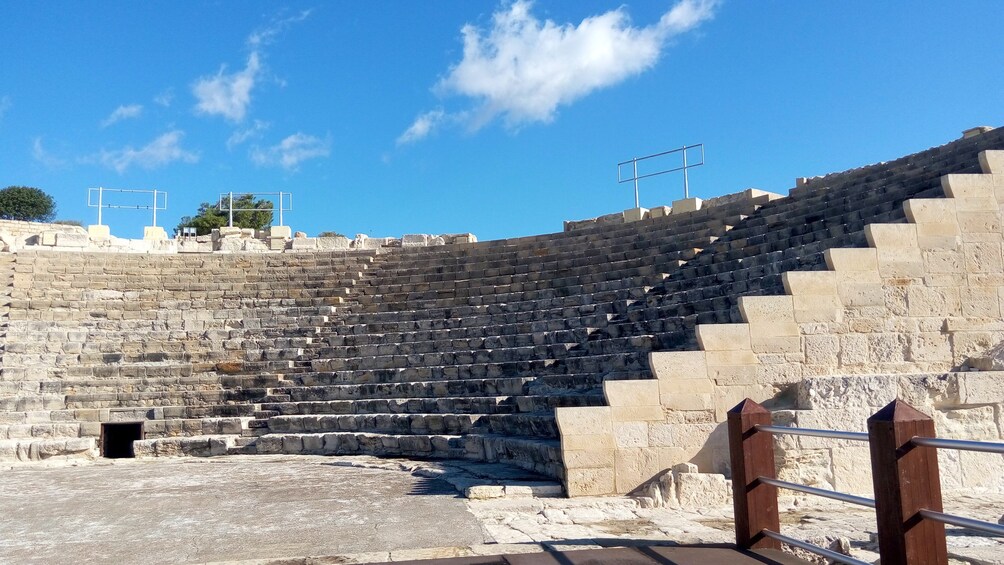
column 400, row 424
column 359, row 443
column 305, row 401
column 27, row 450
column 616, row 362
column 39, row 431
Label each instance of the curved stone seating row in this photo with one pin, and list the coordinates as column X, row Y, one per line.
column 455, row 351
column 786, row 234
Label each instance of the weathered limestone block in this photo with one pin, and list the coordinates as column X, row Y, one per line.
column 976, row 388
column 328, row 243
column 154, row 233
column 992, row 162
column 975, row 222
column 814, row 283
column 968, row 186
column 891, row 235
column 98, row 232
column 842, row 392
column 983, row 258
column 766, row 310
column 590, row 482
column 822, row 350
column 687, row 205
column 47, row 238
column 926, row 301
column 630, row 435
column 635, row 215
column 669, row 366
column 660, row 211
column 902, row 262
column 701, row 490
column 634, row 467
column 415, row 240
column 304, row 243
column 723, row 337
column 484, row 492
column 636, row 400
column 929, row 347
column 585, row 420
column 281, row 232
column 929, row 210
column 78, row 240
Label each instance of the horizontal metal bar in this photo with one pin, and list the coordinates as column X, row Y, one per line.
column 832, row 434
column 962, row 522
column 841, row 496
column 690, row 166
column 963, row 444
column 151, row 191
column 829, row 554
column 677, row 150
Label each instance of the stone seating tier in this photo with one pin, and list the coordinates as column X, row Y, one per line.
column 792, row 235
column 426, row 340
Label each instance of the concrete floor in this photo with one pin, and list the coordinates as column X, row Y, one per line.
column 195, row 510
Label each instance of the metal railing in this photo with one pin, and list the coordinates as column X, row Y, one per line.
column 100, row 204
column 635, row 177
column 905, row 474
column 226, row 203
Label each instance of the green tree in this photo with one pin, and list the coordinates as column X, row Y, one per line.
column 330, row 234
column 256, row 214
column 27, row 204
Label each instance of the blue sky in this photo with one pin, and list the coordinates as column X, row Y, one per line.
column 448, row 116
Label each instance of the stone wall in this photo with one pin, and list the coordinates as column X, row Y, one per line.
column 679, row 207
column 923, row 299
column 23, row 229
column 16, row 234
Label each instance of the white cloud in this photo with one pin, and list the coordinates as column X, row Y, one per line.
column 39, row 153
column 227, row 95
column 523, row 69
column 278, row 25
column 239, row 136
column 421, row 127
column 123, row 113
column 292, row 151
column 164, row 98
column 162, row 151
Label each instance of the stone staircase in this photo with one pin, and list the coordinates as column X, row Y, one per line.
column 892, row 319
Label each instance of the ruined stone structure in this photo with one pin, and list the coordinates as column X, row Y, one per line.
column 601, row 356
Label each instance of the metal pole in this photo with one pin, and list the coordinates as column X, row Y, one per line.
column 686, row 182
column 280, row 209
column 231, row 208
column 635, row 162
column 100, row 194
column 155, row 207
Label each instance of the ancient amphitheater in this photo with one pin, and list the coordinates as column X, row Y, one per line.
column 601, row 356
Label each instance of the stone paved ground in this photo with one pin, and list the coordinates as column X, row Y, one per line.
column 195, row 510
column 281, row 509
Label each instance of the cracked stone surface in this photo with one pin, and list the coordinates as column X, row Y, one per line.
column 299, row 510
column 197, row 510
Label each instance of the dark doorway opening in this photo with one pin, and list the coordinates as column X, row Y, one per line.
column 117, row 438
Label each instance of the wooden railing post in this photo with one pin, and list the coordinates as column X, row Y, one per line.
column 906, row 481
column 752, row 454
